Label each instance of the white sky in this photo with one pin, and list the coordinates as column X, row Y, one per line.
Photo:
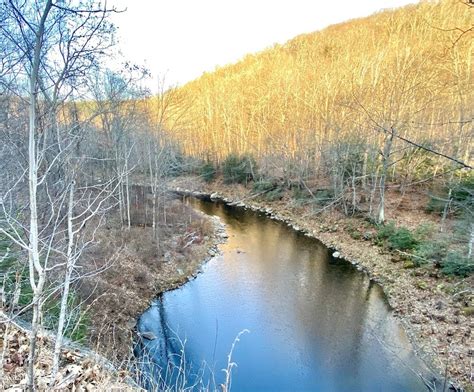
column 184, row 38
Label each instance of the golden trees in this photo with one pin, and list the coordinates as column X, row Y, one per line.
column 406, row 70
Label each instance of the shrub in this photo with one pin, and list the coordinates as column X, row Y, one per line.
column 355, row 234
column 462, row 197
column 385, row 231
column 208, row 172
column 273, row 191
column 324, row 196
column 402, row 239
column 434, row 251
column 463, row 191
column 456, row 264
column 397, row 238
column 424, row 231
column 78, row 320
column 300, row 193
column 321, row 197
column 238, row 169
column 436, row 205
column 275, row 194
column 263, row 185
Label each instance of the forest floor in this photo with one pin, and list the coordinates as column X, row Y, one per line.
column 81, row 370
column 436, row 310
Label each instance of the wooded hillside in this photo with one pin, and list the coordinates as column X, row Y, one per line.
column 408, row 70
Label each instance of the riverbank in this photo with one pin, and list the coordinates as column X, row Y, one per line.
column 124, row 271
column 433, row 308
column 142, row 266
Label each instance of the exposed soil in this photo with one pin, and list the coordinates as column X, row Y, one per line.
column 436, row 310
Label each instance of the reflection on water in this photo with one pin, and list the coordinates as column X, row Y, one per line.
column 314, row 324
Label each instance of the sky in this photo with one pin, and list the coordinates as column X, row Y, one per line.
column 181, row 39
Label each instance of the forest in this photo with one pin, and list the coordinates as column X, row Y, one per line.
column 346, row 114
column 361, row 132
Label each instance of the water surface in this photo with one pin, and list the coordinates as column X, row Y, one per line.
column 314, row 324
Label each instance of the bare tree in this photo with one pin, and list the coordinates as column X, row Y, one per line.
column 55, row 43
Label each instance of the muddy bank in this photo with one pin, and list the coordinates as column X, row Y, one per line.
column 136, row 266
column 429, row 305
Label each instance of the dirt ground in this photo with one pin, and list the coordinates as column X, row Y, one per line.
column 435, row 309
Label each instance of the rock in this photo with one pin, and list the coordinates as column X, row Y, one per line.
column 336, row 254
column 214, row 196
column 439, row 317
column 450, row 332
column 223, row 235
column 148, row 335
column 468, row 311
column 408, row 264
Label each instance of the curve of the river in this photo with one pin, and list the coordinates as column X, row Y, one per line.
column 314, row 324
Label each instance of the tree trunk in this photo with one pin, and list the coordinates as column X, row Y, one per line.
column 385, row 165
column 471, row 243
column 67, row 281
column 445, row 211
column 34, row 263
column 127, row 193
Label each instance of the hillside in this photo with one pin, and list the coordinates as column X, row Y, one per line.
column 408, row 69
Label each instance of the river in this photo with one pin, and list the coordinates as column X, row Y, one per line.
column 307, row 322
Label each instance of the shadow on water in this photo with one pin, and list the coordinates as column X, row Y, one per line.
column 315, row 324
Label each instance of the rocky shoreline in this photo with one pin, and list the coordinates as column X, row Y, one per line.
column 440, row 331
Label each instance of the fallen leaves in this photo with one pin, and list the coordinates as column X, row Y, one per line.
column 78, row 371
